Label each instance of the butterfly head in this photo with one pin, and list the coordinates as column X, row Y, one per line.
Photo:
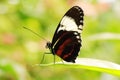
column 48, row 45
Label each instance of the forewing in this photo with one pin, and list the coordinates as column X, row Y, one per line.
column 71, row 21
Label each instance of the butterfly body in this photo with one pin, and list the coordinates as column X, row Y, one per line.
column 66, row 41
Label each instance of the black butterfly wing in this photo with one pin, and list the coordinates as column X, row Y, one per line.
column 66, row 41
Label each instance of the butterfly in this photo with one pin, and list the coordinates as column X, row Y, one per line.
column 66, row 42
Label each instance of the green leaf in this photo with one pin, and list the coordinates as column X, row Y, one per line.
column 105, row 36
column 90, row 64
column 12, row 70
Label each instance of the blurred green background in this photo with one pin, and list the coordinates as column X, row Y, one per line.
column 20, row 49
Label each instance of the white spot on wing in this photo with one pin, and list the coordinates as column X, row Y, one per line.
column 81, row 21
column 75, row 33
column 81, row 12
column 79, row 41
column 69, row 24
column 80, row 26
column 77, row 37
column 81, row 16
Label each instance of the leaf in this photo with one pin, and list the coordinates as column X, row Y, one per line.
column 90, row 64
column 105, row 36
column 12, row 70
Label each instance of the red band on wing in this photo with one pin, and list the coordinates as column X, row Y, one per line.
column 61, row 48
column 65, row 56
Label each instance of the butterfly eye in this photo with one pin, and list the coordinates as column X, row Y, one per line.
column 48, row 45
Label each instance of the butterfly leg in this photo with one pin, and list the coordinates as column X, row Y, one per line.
column 43, row 57
column 54, row 59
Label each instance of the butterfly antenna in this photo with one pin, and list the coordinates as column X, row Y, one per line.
column 34, row 33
